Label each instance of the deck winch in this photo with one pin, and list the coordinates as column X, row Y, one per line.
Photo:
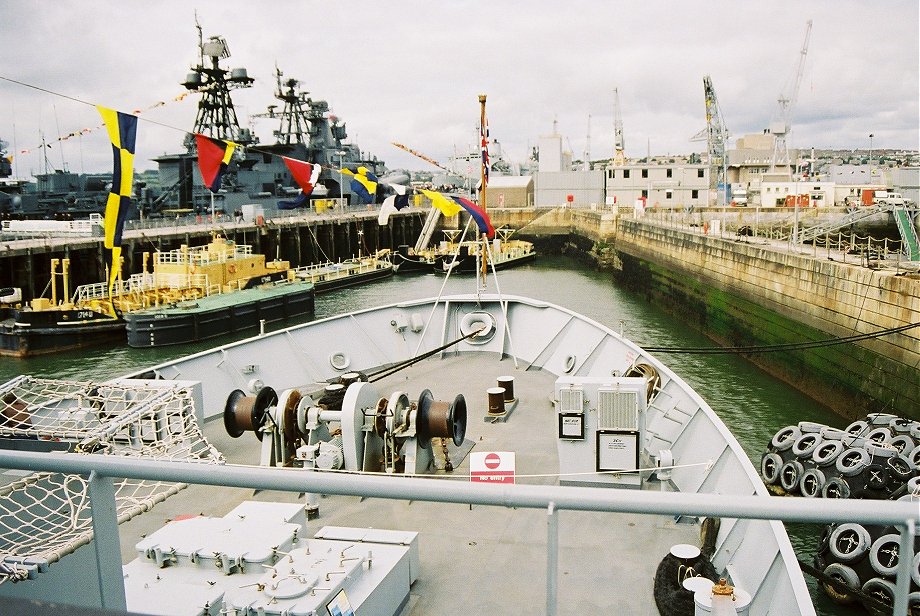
column 348, row 425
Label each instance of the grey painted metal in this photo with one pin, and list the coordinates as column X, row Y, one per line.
column 905, row 562
column 552, row 558
column 903, row 515
column 106, row 541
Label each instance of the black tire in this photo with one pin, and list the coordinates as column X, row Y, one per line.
column 876, row 476
column 880, row 590
column 857, row 428
column 770, row 464
column 806, row 444
column 827, row 452
column 902, row 443
column 883, row 555
column 879, row 435
column 899, row 470
column 849, row 542
column 836, row 487
column 852, row 461
column 785, row 437
column 812, row 482
column 842, row 573
column 790, row 474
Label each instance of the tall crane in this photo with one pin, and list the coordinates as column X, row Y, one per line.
column 716, row 140
column 417, row 154
column 782, row 126
column 619, row 155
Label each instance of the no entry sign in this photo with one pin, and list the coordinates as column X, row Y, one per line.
column 492, row 466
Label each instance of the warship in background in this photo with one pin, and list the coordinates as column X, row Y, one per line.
column 307, row 131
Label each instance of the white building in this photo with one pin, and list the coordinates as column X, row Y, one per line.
column 663, row 182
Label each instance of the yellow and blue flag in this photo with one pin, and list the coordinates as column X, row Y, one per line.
column 122, row 129
column 363, row 183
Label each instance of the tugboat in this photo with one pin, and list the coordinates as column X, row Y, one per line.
column 465, row 256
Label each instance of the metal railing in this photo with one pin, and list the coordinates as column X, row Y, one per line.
column 102, row 470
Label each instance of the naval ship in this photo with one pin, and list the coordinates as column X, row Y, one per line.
column 307, row 131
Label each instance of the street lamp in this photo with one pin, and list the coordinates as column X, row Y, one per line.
column 341, row 155
column 870, row 157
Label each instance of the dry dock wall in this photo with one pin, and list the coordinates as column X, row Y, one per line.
column 745, row 294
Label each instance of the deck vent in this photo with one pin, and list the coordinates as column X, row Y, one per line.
column 571, row 400
column 617, row 410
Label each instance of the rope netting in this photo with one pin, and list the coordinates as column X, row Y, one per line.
column 44, row 516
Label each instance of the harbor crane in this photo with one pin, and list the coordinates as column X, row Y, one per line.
column 716, row 137
column 619, row 155
column 782, row 125
column 417, row 154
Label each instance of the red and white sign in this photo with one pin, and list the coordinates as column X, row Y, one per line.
column 492, row 466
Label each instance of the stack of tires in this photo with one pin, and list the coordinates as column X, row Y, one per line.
column 877, row 458
column 865, row 559
column 871, row 458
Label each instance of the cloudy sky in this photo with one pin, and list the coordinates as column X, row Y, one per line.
column 411, row 71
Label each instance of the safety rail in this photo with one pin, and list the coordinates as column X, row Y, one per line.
column 846, row 245
column 200, row 255
column 137, row 283
column 104, row 470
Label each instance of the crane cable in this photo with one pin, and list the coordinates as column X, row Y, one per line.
column 791, row 346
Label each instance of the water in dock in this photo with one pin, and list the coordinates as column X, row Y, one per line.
column 753, row 404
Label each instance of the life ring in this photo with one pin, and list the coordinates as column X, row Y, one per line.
column 849, row 542
column 340, row 361
column 806, row 444
column 785, row 438
column 569, row 364
column 770, row 464
column 789, row 475
column 836, row 487
column 852, row 461
column 231, row 269
column 827, row 452
column 811, row 483
column 844, row 574
column 883, row 556
column 481, row 322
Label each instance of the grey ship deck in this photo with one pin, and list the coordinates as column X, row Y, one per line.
column 479, row 559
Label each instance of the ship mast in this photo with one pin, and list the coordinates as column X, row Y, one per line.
column 483, row 176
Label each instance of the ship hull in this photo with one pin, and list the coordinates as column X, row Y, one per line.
column 218, row 315
column 26, row 333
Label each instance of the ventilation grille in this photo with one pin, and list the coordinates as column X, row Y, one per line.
column 571, row 400
column 617, row 410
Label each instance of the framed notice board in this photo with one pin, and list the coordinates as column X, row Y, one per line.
column 572, row 426
column 617, row 450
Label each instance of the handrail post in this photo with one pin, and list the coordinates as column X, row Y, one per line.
column 905, row 563
column 106, row 542
column 552, row 558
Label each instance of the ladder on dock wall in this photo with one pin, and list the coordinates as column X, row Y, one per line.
column 905, row 219
column 431, row 223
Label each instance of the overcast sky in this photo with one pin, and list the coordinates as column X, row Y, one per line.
column 411, row 71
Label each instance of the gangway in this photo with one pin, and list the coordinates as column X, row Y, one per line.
column 809, row 234
column 904, row 217
column 431, row 223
